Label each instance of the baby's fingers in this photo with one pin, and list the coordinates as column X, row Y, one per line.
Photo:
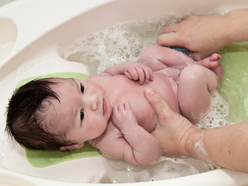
column 136, row 73
column 116, row 115
column 121, row 109
column 148, row 74
column 123, row 115
column 145, row 74
column 115, row 111
column 132, row 73
column 141, row 74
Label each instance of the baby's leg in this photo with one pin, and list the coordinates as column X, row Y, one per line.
column 158, row 57
column 195, row 85
column 212, row 63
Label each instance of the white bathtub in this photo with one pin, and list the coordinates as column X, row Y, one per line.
column 34, row 29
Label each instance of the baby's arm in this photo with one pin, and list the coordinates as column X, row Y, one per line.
column 132, row 70
column 137, row 145
column 158, row 57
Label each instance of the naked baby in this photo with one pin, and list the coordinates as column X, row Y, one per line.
column 109, row 110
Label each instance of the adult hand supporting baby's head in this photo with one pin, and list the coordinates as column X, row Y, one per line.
column 173, row 130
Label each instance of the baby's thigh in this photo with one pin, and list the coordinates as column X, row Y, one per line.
column 195, row 83
column 191, row 77
column 171, row 72
column 196, row 78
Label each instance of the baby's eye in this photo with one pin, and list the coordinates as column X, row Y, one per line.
column 82, row 89
column 81, row 115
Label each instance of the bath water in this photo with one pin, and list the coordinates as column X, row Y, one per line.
column 124, row 42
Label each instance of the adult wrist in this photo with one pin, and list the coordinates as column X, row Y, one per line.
column 194, row 144
column 236, row 26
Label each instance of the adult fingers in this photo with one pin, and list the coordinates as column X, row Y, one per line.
column 173, row 40
column 160, row 106
column 170, row 40
column 199, row 55
column 170, row 28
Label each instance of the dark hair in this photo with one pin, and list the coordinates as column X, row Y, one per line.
column 23, row 121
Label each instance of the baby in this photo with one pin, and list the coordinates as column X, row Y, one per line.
column 109, row 110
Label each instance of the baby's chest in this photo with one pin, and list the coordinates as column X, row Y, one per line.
column 134, row 92
column 141, row 108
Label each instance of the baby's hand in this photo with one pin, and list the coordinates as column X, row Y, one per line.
column 123, row 116
column 138, row 71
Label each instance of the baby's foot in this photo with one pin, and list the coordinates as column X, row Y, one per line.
column 218, row 71
column 217, row 68
column 212, row 63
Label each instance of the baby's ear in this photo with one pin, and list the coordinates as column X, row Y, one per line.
column 72, row 146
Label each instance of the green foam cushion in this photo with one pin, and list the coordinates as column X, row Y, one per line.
column 39, row 158
column 234, row 86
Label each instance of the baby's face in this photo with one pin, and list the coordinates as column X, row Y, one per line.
column 83, row 111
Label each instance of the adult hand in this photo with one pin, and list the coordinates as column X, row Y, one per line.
column 179, row 138
column 173, row 129
column 202, row 35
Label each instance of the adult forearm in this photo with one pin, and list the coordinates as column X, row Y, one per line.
column 225, row 146
column 236, row 25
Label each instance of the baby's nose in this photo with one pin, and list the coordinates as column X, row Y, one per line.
column 93, row 102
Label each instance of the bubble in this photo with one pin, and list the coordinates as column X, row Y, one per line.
column 216, row 116
column 90, row 38
column 122, row 42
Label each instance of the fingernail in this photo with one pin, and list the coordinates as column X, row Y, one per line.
column 150, row 91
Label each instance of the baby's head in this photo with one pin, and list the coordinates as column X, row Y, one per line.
column 26, row 120
column 57, row 114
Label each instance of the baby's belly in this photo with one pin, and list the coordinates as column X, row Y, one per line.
column 167, row 88
column 135, row 93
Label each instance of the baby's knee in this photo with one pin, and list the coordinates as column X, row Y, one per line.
column 192, row 73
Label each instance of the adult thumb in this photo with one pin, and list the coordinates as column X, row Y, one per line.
column 169, row 40
column 160, row 106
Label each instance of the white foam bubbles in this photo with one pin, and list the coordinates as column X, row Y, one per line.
column 216, row 116
column 122, row 42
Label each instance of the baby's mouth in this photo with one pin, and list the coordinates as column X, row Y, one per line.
column 104, row 106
